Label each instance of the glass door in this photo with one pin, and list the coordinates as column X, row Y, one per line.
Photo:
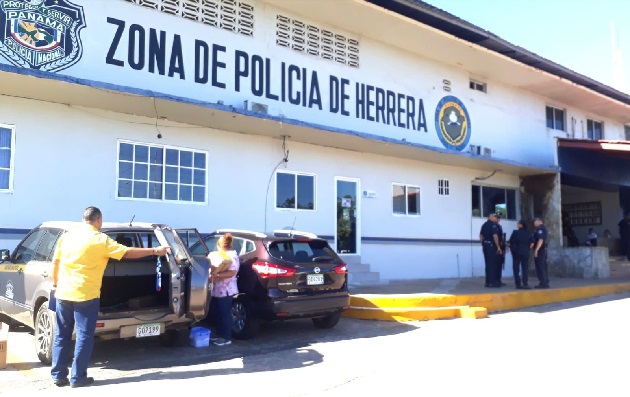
column 347, row 235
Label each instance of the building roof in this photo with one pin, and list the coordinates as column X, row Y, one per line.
column 449, row 23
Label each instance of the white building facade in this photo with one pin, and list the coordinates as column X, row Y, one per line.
column 390, row 138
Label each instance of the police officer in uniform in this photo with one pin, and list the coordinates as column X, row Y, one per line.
column 489, row 238
column 540, row 253
column 500, row 256
column 520, row 243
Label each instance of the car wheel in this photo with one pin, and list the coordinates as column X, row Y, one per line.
column 328, row 321
column 44, row 333
column 170, row 338
column 244, row 324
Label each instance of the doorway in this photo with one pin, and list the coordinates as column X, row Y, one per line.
column 347, row 233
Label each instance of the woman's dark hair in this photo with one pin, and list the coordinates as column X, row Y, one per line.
column 523, row 223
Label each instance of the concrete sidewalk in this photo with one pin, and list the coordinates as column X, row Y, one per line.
column 429, row 299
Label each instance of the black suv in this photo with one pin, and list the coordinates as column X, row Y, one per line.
column 285, row 275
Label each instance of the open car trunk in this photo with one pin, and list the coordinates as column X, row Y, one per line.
column 133, row 285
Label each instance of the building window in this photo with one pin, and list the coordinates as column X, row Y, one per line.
column 555, row 118
column 444, row 187
column 314, row 40
column 594, row 129
column 488, row 199
column 626, row 129
column 295, row 191
column 232, row 15
column 165, row 173
column 478, row 86
column 7, row 152
column 406, row 199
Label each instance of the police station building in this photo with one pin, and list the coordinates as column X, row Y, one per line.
column 388, row 127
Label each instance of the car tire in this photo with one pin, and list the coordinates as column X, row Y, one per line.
column 44, row 332
column 170, row 338
column 245, row 325
column 328, row 321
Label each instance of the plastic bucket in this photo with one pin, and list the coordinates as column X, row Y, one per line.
column 199, row 337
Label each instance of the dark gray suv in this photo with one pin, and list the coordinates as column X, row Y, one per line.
column 285, row 275
column 138, row 297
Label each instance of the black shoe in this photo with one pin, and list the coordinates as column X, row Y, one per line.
column 526, row 287
column 518, row 287
column 494, row 286
column 88, row 381
column 501, row 283
column 62, row 382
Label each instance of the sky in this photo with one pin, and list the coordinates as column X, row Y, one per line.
column 573, row 33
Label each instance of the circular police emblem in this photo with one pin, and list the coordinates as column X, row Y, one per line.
column 41, row 34
column 452, row 123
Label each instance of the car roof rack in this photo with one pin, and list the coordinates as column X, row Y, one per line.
column 293, row 233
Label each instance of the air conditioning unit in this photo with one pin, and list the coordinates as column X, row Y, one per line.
column 256, row 107
column 487, row 152
column 475, row 150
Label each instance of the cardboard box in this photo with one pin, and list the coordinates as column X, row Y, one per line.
column 219, row 261
column 4, row 336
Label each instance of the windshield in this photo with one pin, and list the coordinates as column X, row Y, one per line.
column 302, row 250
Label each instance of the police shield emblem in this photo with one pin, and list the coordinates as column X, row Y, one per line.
column 41, row 34
column 452, row 123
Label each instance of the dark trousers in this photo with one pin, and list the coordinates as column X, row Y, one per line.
column 520, row 264
column 499, row 267
column 491, row 259
column 541, row 267
column 625, row 247
column 221, row 310
column 71, row 315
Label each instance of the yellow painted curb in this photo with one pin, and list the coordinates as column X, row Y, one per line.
column 473, row 312
column 406, row 307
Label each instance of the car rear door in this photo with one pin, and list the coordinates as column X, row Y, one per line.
column 307, row 265
column 179, row 263
column 198, row 287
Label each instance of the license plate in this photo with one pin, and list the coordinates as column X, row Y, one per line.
column 147, row 330
column 314, row 279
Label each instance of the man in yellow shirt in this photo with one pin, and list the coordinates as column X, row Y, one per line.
column 78, row 266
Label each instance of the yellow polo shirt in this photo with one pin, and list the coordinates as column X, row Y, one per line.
column 83, row 254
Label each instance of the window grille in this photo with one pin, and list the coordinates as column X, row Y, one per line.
column 313, row 40
column 235, row 16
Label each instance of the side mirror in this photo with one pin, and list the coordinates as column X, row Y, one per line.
column 5, row 254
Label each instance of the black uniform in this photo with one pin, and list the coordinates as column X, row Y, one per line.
column 501, row 256
column 624, row 234
column 519, row 245
column 488, row 230
column 541, row 259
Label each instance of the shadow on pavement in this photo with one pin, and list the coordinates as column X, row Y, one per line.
column 294, row 338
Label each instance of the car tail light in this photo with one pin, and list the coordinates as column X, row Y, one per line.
column 270, row 270
column 341, row 269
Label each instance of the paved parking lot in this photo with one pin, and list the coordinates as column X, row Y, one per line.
column 136, row 360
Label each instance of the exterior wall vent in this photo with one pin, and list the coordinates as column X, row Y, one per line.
column 233, row 15
column 315, row 40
